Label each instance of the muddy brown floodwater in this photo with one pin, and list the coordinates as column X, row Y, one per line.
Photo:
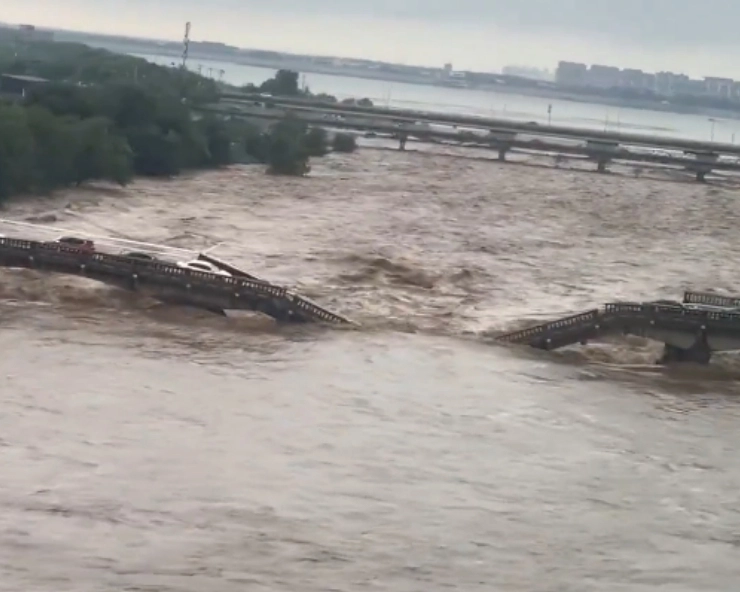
column 146, row 448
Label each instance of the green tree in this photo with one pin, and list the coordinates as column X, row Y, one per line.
column 284, row 84
column 55, row 148
column 287, row 153
column 106, row 117
column 129, row 105
column 316, row 141
column 66, row 99
column 100, row 152
column 219, row 141
column 325, row 98
column 155, row 153
column 77, row 63
column 344, row 143
column 286, row 157
column 16, row 152
column 256, row 142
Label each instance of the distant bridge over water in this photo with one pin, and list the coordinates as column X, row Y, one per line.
column 501, row 135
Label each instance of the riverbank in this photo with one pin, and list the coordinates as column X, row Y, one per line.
column 506, row 89
column 218, row 59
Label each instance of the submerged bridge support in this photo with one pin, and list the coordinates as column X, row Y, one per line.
column 705, row 163
column 168, row 282
column 691, row 330
column 602, row 152
column 699, row 352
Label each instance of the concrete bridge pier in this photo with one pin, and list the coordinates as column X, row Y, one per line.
column 501, row 141
column 698, row 353
column 703, row 167
column 602, row 152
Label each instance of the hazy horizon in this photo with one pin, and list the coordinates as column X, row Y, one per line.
column 471, row 34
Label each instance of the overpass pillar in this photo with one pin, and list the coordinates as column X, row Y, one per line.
column 704, row 164
column 602, row 151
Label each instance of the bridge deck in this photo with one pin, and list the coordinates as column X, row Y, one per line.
column 166, row 281
column 637, row 319
column 300, row 104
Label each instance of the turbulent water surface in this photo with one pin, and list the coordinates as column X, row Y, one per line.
column 147, row 448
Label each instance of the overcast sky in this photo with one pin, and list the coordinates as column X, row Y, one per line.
column 699, row 38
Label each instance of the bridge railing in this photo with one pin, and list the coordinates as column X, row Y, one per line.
column 656, row 311
column 583, row 319
column 136, row 267
column 711, row 299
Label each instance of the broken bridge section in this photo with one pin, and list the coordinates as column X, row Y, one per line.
column 559, row 333
column 691, row 330
column 167, row 281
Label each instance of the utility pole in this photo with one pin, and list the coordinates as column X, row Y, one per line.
column 185, row 46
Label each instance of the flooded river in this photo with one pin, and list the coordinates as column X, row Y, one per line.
column 147, row 448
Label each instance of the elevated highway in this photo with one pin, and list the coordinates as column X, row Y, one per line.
column 691, row 330
column 297, row 105
column 502, row 135
column 168, row 281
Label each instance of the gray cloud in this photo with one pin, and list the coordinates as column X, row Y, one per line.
column 642, row 22
column 650, row 24
column 698, row 38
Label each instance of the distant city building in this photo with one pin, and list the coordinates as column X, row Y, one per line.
column 604, row 76
column 719, row 87
column 571, row 74
column 668, row 83
column 597, row 76
column 690, row 87
column 631, row 78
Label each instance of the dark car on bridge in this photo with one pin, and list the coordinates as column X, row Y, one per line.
column 81, row 244
column 139, row 255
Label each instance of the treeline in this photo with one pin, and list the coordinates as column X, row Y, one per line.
column 70, row 131
column 287, row 146
column 286, row 83
column 63, row 135
column 79, row 64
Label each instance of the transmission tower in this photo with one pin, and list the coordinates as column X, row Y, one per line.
column 185, row 46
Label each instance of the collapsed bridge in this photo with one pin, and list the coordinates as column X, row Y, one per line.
column 691, row 330
column 231, row 289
